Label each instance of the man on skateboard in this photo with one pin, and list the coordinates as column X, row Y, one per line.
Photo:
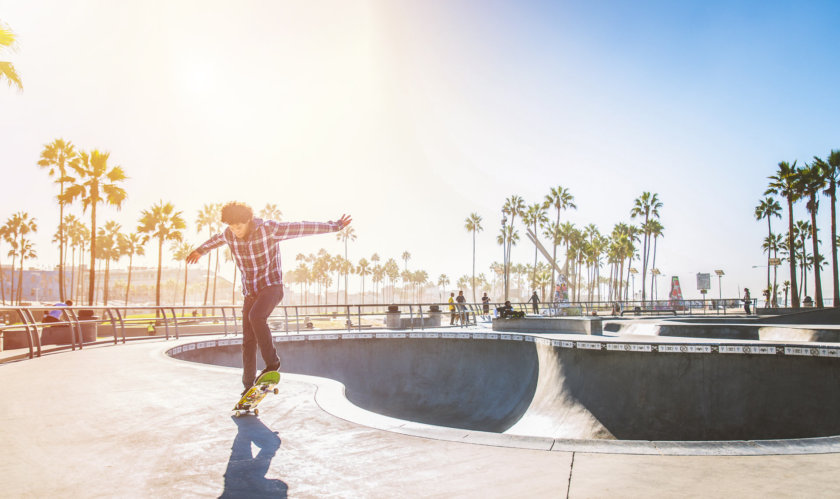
column 253, row 242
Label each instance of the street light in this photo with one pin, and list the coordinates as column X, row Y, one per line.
column 719, row 274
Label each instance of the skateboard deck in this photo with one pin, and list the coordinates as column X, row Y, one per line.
column 262, row 386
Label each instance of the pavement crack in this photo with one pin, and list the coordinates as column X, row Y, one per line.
column 571, row 469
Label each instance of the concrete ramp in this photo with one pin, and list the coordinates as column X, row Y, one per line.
column 574, row 390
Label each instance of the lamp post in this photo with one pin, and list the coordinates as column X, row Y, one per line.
column 719, row 274
column 633, row 273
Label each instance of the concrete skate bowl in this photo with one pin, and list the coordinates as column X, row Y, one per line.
column 596, row 392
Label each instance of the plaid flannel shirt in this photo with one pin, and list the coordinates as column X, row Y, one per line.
column 258, row 256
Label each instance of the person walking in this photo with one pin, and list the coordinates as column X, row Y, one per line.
column 535, row 300
column 452, row 309
column 747, row 300
column 253, row 242
column 462, row 308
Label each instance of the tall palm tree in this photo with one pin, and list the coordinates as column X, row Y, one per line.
column 533, row 216
column 656, row 231
column 97, row 183
column 802, row 232
column 783, row 183
column 560, row 199
column 346, row 234
column 4, row 236
column 79, row 234
column 810, row 181
column 130, row 245
column 208, row 218
column 109, row 249
column 56, row 157
column 831, row 172
column 768, row 208
column 21, row 224
column 164, row 223
column 363, row 270
column 647, row 206
column 180, row 251
column 7, row 69
column 473, row 224
column 443, row 281
column 27, row 250
column 514, row 206
column 271, row 212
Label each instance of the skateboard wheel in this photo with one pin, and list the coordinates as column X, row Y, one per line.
column 256, row 412
column 276, row 391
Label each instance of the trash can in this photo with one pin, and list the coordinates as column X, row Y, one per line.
column 88, row 326
column 392, row 317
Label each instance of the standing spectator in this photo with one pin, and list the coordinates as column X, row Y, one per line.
column 535, row 300
column 462, row 309
column 747, row 300
column 485, row 307
column 451, row 309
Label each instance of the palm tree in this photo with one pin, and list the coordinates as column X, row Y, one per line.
column 79, row 234
column 130, row 245
column 535, row 215
column 164, row 223
column 208, row 218
column 473, row 224
column 768, row 208
column 346, row 234
column 560, row 199
column 180, row 251
column 109, row 249
column 271, row 212
column 56, row 157
column 21, row 224
column 646, row 205
column 363, row 270
column 809, row 182
column 443, row 281
column 514, row 205
column 831, row 173
column 7, row 69
column 4, row 236
column 783, row 183
column 27, row 250
column 656, row 231
column 97, row 183
column 802, row 232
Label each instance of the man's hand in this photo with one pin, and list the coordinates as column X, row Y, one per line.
column 193, row 257
column 344, row 221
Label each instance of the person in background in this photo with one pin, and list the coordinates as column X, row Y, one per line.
column 485, row 305
column 747, row 300
column 55, row 314
column 462, row 308
column 451, row 309
column 536, row 301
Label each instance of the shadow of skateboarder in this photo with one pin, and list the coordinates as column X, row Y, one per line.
column 245, row 473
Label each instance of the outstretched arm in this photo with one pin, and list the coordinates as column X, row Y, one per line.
column 213, row 242
column 290, row 230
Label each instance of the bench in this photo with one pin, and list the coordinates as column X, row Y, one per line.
column 649, row 311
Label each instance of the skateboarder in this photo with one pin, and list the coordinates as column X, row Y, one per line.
column 253, row 243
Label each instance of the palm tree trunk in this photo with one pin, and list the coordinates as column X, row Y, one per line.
column 92, row 276
column 61, row 245
column 186, row 276
column 769, row 254
column 835, row 302
column 644, row 258
column 20, row 276
column 2, row 285
column 817, row 283
column 105, row 284
column 128, row 284
column 159, row 271
column 795, row 294
column 473, row 267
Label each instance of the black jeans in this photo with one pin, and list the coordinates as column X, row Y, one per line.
column 255, row 331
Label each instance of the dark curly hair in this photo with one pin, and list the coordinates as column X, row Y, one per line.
column 236, row 213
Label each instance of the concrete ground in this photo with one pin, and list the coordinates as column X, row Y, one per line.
column 127, row 421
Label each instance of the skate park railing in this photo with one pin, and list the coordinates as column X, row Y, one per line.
column 31, row 329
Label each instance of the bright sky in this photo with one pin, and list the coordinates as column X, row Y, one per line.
column 410, row 115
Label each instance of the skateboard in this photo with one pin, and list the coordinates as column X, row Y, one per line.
column 262, row 386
